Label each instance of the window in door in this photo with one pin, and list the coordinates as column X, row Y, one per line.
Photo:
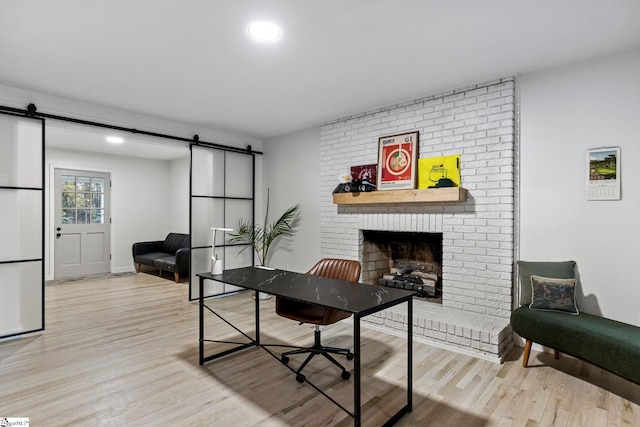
column 82, row 200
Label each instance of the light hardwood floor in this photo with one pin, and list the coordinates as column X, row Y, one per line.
column 124, row 351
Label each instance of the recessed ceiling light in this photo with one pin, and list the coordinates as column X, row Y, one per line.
column 264, row 31
column 115, row 139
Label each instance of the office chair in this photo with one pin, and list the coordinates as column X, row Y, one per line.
column 333, row 268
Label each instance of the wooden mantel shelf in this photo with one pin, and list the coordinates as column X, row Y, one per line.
column 427, row 195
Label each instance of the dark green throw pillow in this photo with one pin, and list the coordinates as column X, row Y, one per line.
column 559, row 269
column 553, row 294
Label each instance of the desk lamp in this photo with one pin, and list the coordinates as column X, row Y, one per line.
column 216, row 263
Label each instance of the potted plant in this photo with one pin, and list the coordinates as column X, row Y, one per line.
column 262, row 237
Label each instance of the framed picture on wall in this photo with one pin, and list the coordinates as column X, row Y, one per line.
column 397, row 160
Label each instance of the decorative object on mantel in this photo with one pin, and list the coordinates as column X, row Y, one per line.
column 216, row 262
column 262, row 237
column 344, row 184
column 438, row 172
column 367, row 175
column 347, row 184
column 397, row 156
column 427, row 195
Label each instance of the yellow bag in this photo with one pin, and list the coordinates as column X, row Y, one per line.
column 437, row 171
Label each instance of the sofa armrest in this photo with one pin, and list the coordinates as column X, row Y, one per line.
column 182, row 260
column 142, row 248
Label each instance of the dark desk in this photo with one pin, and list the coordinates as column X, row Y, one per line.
column 358, row 299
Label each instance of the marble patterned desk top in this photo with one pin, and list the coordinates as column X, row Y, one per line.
column 339, row 294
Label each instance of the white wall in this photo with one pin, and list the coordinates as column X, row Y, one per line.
column 564, row 112
column 292, row 172
column 179, row 170
column 139, row 201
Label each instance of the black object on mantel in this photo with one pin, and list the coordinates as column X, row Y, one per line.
column 355, row 186
column 444, row 182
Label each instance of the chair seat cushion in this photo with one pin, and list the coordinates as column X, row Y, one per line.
column 308, row 313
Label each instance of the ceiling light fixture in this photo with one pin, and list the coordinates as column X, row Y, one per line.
column 264, row 31
column 115, row 139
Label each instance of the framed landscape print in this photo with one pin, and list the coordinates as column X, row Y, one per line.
column 397, row 159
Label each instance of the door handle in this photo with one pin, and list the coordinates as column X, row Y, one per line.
column 58, row 234
column 58, row 229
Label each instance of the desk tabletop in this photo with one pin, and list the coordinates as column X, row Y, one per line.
column 354, row 298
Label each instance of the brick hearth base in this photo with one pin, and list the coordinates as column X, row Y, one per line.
column 476, row 335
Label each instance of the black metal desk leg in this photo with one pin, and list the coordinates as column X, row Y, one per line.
column 201, row 307
column 410, row 354
column 257, row 298
column 357, row 386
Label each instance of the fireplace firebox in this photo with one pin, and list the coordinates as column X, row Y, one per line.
column 407, row 260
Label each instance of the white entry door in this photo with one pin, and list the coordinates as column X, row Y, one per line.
column 82, row 223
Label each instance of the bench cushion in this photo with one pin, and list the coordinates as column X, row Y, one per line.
column 606, row 343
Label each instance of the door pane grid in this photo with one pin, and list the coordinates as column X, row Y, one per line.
column 222, row 191
column 82, row 200
column 22, row 225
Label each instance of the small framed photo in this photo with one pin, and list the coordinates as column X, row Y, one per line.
column 397, row 161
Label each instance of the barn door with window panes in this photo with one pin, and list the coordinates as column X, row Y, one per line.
column 222, row 193
column 21, row 225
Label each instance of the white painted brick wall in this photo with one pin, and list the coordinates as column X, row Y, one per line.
column 476, row 122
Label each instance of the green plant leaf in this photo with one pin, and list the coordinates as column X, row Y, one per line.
column 261, row 238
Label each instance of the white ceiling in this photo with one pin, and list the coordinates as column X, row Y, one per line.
column 193, row 61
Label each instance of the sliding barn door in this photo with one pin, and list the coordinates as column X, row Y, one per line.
column 222, row 193
column 21, row 225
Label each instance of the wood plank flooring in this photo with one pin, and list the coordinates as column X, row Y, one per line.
column 123, row 350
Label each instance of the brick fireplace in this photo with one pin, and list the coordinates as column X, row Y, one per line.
column 478, row 123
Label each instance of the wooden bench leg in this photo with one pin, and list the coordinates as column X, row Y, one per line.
column 556, row 354
column 177, row 277
column 527, row 351
column 137, row 267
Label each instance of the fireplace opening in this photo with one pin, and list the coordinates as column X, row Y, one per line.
column 406, row 260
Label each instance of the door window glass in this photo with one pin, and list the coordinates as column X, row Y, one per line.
column 82, row 200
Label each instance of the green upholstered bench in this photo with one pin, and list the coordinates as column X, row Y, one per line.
column 608, row 344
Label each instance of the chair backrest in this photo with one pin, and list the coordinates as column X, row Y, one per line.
column 335, row 268
column 554, row 269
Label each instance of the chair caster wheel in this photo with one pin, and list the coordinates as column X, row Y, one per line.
column 300, row 378
column 285, row 359
column 350, row 356
column 345, row 375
